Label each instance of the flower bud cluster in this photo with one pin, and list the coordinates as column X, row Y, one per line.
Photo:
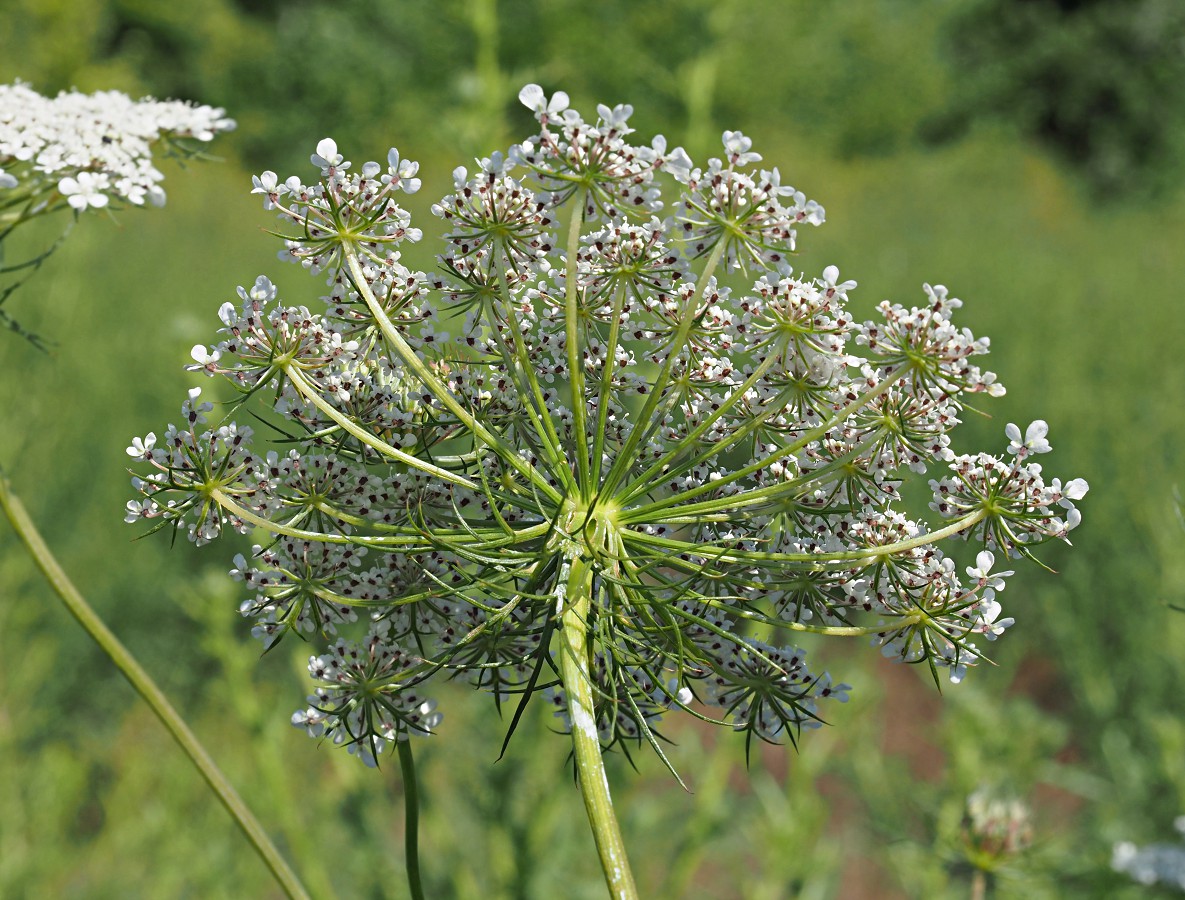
column 996, row 828
column 658, row 415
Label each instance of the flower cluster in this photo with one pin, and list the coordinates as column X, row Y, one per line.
column 599, row 454
column 84, row 151
column 995, row 828
column 88, row 149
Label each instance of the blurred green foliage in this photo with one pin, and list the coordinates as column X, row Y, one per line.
column 1099, row 82
column 1082, row 716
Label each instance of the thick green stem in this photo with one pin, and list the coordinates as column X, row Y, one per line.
column 148, row 690
column 411, row 815
column 575, row 606
column 978, row 885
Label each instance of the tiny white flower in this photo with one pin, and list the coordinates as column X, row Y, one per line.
column 203, row 356
column 137, row 510
column 737, row 147
column 268, row 184
column 326, row 156
column 677, row 162
column 832, row 283
column 85, row 190
column 265, row 183
column 402, row 172
column 981, row 571
column 616, row 117
column 533, row 98
column 142, row 448
column 1034, row 439
column 990, row 624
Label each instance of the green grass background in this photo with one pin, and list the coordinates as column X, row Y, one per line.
column 1081, row 294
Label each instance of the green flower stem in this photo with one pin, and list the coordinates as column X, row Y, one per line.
column 606, row 382
column 830, row 630
column 642, row 513
column 740, row 613
column 460, row 537
column 27, row 202
column 841, row 558
column 646, row 422
column 528, row 385
column 436, row 387
column 575, row 346
column 753, row 502
column 979, row 884
column 148, row 690
column 310, row 393
column 411, row 813
column 661, row 466
column 590, row 766
column 412, row 540
column 757, row 497
column 525, row 370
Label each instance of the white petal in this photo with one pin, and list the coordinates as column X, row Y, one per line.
column 327, row 149
column 559, row 102
column 531, row 97
column 984, row 561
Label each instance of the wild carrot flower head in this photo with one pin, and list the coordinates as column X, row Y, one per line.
column 658, row 414
column 88, row 149
column 84, row 152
